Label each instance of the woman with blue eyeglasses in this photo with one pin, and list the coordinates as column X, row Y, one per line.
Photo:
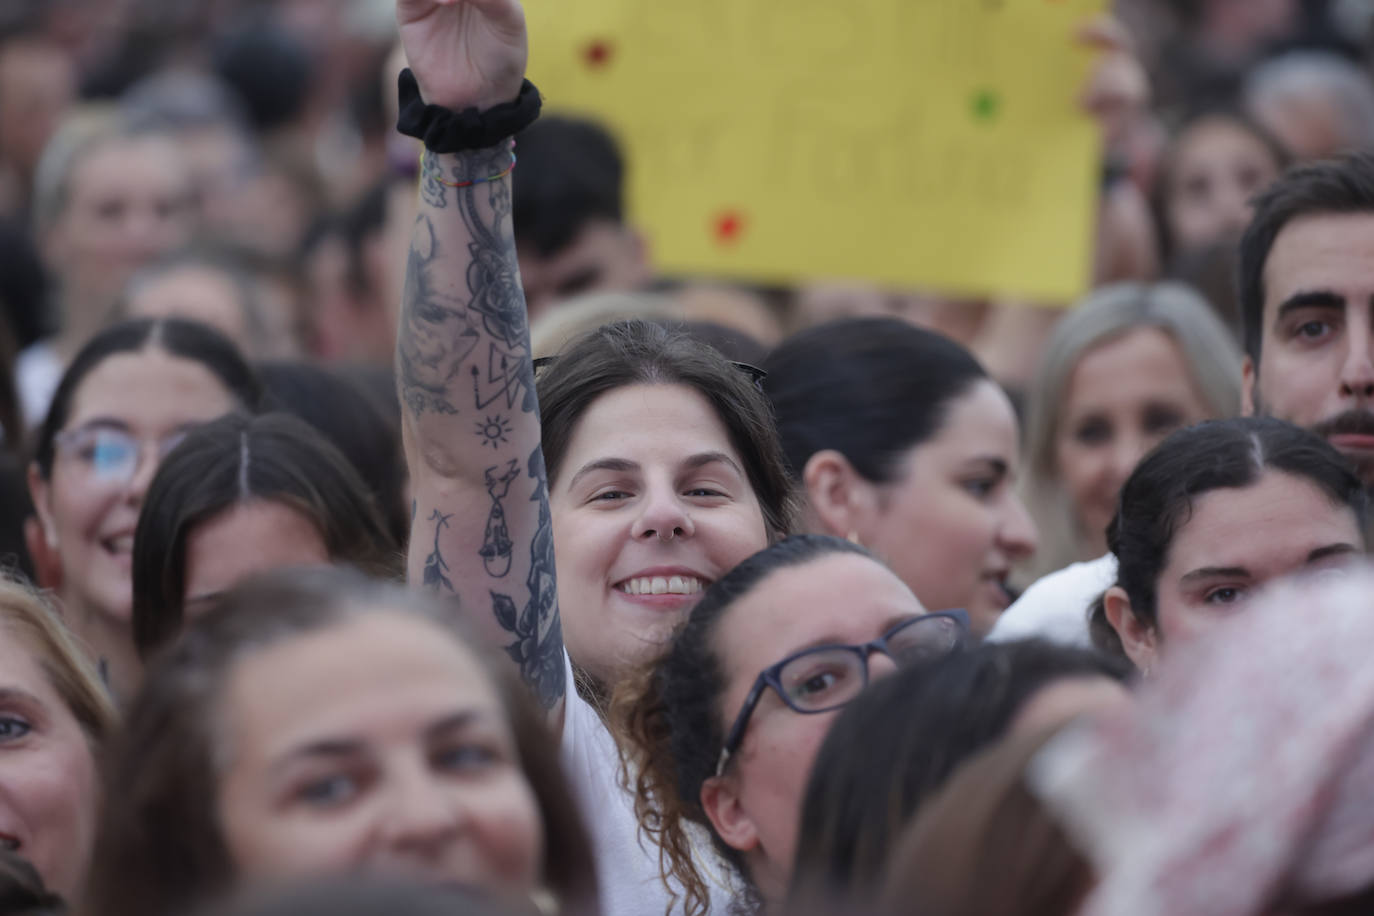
column 126, row 400
column 721, row 732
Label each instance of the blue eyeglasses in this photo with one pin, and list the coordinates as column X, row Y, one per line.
column 108, row 454
column 824, row 678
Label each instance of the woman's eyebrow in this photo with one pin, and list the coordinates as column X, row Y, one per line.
column 1214, row 572
column 621, row 465
column 701, row 459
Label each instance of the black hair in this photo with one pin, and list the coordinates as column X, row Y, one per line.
column 571, row 172
column 184, row 339
column 1157, row 499
column 365, row 218
column 350, row 418
column 24, row 286
column 870, row 388
column 916, row 727
column 233, row 460
column 1343, row 185
column 16, row 508
column 639, row 352
column 670, row 719
column 271, row 70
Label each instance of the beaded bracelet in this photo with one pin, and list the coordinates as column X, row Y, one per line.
column 467, row 184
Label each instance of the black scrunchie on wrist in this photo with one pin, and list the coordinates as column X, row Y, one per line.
column 447, row 131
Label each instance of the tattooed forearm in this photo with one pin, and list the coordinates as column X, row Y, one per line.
column 436, row 568
column 466, row 378
column 435, row 336
column 440, row 328
column 496, row 545
column 538, row 646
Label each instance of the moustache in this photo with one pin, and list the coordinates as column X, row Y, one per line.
column 1350, row 423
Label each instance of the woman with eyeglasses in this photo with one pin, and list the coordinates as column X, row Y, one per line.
column 127, row 399
column 594, row 505
column 721, row 732
column 900, row 441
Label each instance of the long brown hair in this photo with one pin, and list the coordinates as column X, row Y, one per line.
column 159, row 846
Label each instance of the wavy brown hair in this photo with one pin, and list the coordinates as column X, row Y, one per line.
column 670, row 723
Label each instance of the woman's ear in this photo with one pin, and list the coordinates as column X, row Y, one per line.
column 40, row 534
column 720, row 801
column 842, row 502
column 1139, row 639
column 39, row 494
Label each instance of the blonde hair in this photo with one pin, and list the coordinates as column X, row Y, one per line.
column 28, row 617
column 83, row 132
column 1208, row 349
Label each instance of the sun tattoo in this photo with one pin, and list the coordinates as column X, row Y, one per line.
column 494, row 430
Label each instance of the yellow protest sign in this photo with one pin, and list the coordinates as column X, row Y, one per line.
column 932, row 144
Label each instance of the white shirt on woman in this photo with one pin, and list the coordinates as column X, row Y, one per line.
column 627, row 866
column 1056, row 606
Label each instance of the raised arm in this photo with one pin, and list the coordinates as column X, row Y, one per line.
column 481, row 530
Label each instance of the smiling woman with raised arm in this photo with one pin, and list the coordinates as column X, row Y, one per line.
column 660, row 470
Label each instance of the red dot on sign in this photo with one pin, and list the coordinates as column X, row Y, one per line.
column 729, row 227
column 598, row 54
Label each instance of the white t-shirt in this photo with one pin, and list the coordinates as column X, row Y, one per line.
column 37, row 373
column 1056, row 606
column 627, row 868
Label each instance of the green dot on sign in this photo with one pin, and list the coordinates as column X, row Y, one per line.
column 986, row 104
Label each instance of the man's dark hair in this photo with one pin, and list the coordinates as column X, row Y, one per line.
column 571, row 172
column 1343, row 185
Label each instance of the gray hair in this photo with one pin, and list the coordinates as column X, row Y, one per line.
column 1345, row 84
column 1208, row 349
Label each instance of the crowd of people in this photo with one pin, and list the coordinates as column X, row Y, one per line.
column 381, row 549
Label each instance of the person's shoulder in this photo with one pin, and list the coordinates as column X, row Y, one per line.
column 1055, row 607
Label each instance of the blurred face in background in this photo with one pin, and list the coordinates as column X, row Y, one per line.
column 197, row 292
column 37, row 84
column 128, row 201
column 1217, row 166
column 603, row 257
column 1124, row 396
column 126, row 415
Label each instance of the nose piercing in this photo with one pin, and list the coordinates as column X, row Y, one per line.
column 671, row 534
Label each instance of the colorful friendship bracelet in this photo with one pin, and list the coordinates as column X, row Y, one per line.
column 467, row 184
